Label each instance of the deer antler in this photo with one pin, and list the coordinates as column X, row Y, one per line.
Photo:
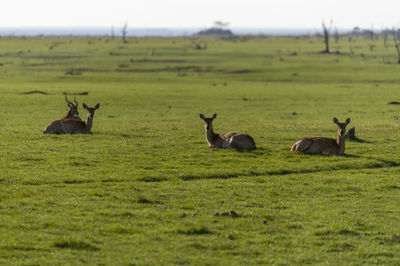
column 69, row 103
column 76, row 103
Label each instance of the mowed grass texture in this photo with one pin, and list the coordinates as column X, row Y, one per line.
column 144, row 188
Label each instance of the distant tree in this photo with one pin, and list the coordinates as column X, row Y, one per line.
column 336, row 35
column 396, row 38
column 369, row 34
column 112, row 33
column 356, row 31
column 385, row 37
column 124, row 31
column 217, row 29
column 326, row 37
column 350, row 39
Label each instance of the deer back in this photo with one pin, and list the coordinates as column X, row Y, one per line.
column 242, row 141
column 72, row 126
column 55, row 127
column 320, row 145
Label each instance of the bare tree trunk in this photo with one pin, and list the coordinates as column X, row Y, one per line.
column 396, row 37
column 350, row 39
column 326, row 38
column 336, row 36
column 398, row 53
column 385, row 37
column 124, row 32
column 112, row 33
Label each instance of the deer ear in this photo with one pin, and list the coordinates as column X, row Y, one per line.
column 335, row 120
column 214, row 116
column 202, row 116
column 97, row 106
column 85, row 106
column 348, row 120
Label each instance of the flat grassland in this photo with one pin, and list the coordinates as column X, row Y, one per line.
column 145, row 189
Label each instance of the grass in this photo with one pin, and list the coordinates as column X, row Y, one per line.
column 144, row 188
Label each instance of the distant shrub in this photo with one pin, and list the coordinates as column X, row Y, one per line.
column 215, row 31
column 76, row 245
column 195, row 230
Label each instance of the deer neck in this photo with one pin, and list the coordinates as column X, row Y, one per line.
column 340, row 141
column 89, row 123
column 67, row 115
column 211, row 136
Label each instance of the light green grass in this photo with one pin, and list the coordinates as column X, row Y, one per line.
column 145, row 189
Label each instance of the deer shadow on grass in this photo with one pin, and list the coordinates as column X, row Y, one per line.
column 386, row 163
column 257, row 151
column 358, row 140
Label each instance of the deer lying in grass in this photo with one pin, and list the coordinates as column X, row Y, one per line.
column 54, row 126
column 237, row 141
column 325, row 146
column 72, row 126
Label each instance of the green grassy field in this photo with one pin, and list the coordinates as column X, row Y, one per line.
column 144, row 188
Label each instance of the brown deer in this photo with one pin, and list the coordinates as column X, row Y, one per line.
column 72, row 126
column 239, row 141
column 321, row 145
column 55, row 126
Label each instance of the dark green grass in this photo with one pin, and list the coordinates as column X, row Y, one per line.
column 144, row 188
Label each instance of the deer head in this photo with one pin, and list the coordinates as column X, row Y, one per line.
column 73, row 108
column 90, row 110
column 341, row 126
column 208, row 121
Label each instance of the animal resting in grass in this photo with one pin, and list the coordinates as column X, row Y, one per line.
column 325, row 146
column 73, row 126
column 54, row 126
column 239, row 141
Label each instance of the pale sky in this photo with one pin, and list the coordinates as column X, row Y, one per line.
column 200, row 13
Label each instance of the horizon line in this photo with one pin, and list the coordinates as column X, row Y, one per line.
column 160, row 31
